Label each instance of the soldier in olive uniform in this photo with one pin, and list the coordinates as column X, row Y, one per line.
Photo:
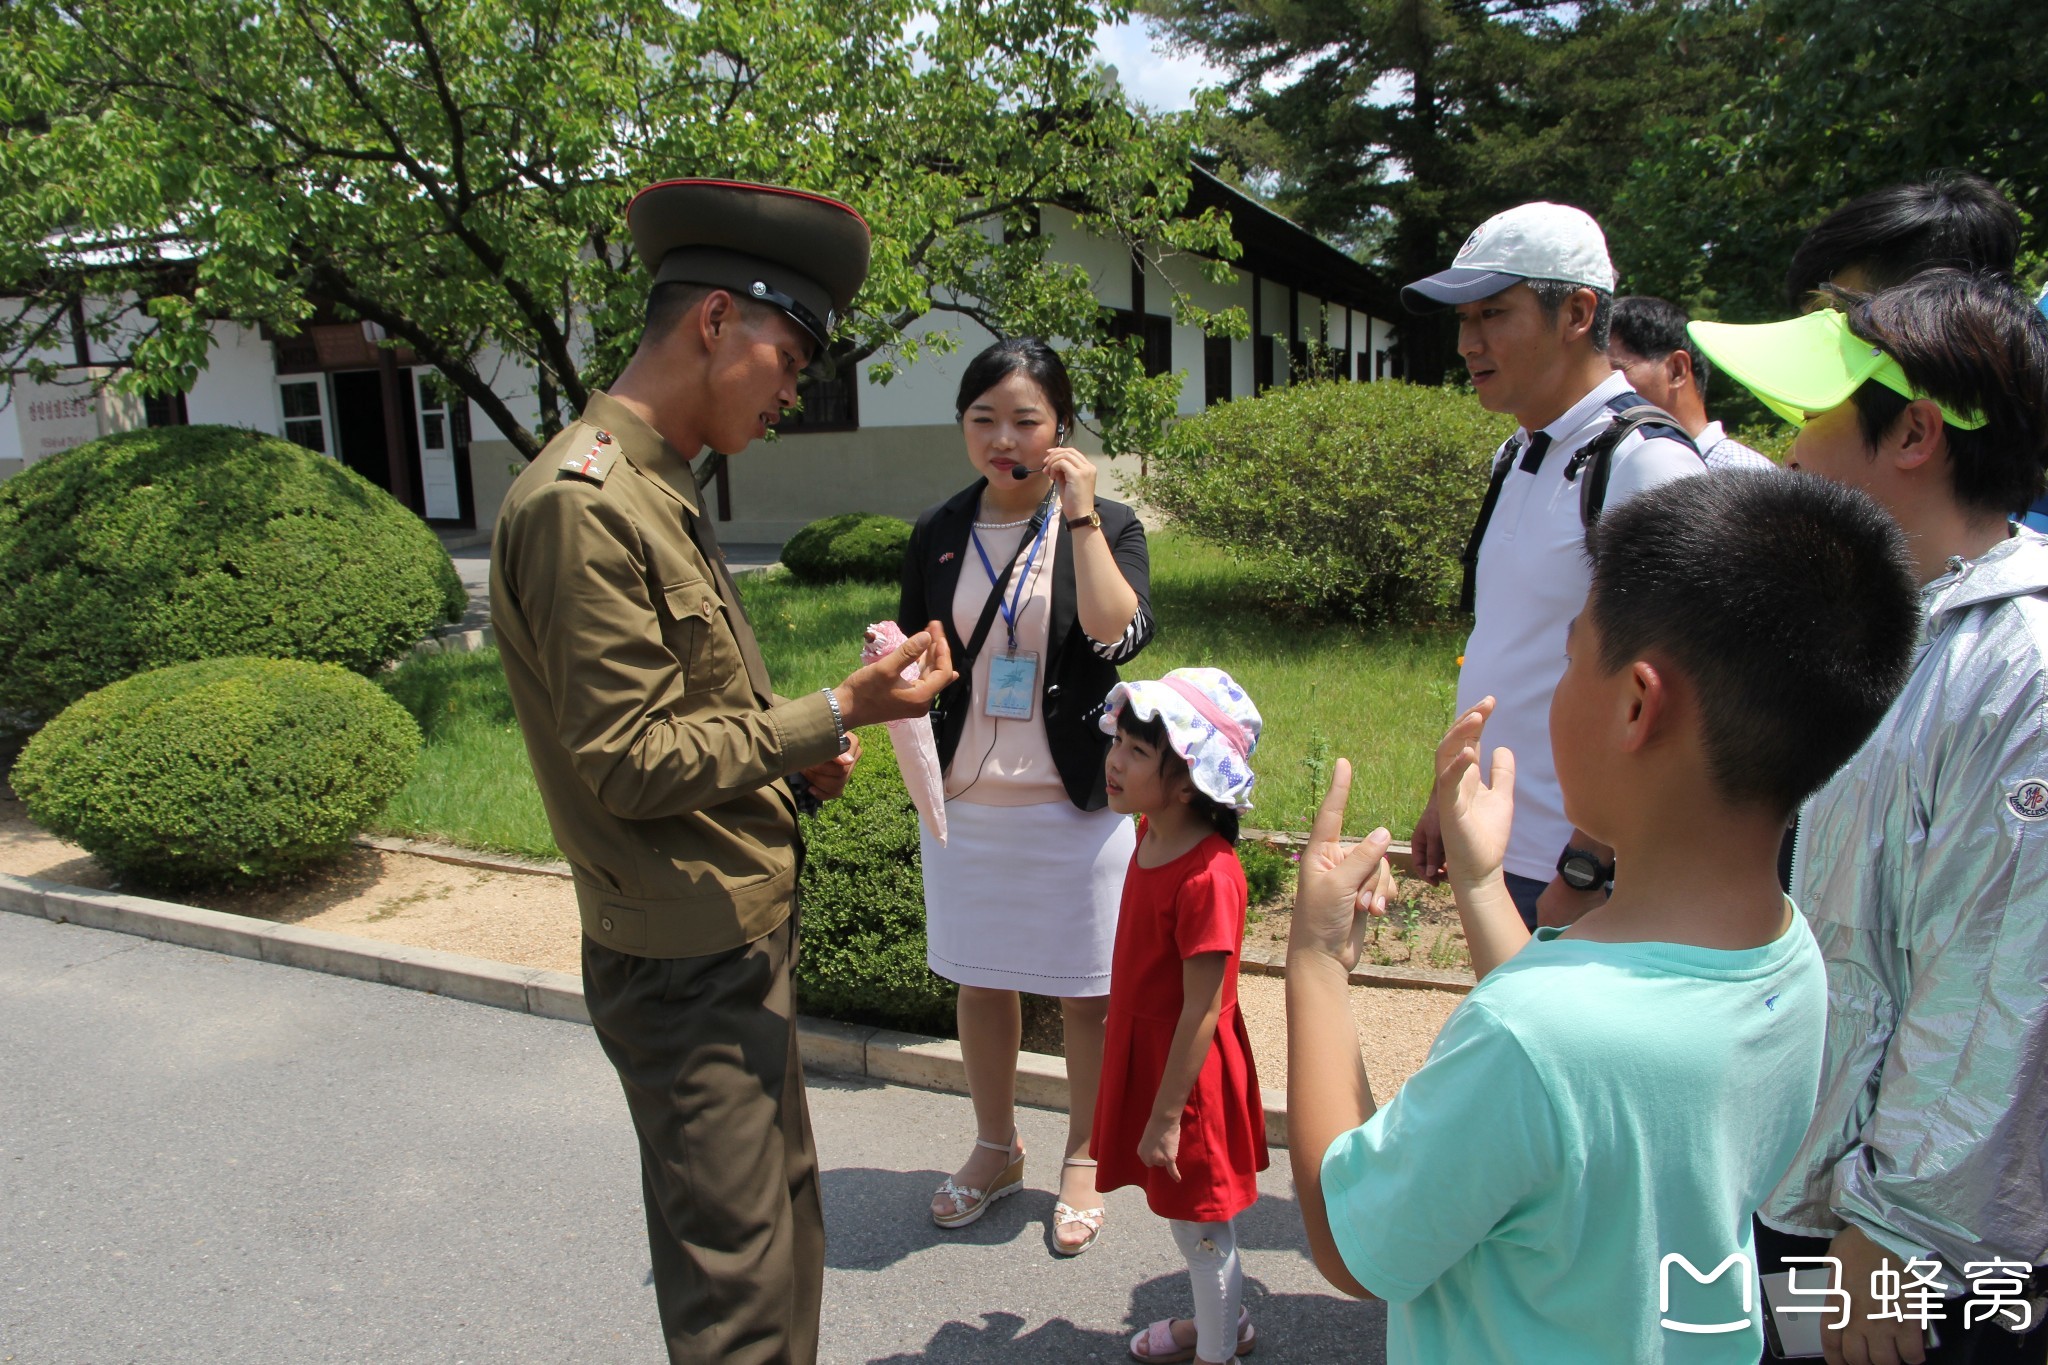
column 670, row 770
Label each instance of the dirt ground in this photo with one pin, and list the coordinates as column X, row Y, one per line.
column 1420, row 929
column 531, row 920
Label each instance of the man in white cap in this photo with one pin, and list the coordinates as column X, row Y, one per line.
column 1533, row 292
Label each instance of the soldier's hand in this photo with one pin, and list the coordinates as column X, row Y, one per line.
column 828, row 779
column 879, row 692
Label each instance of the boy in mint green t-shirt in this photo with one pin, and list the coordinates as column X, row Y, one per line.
column 1571, row 1174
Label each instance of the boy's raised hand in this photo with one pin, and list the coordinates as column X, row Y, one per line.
column 1476, row 815
column 1339, row 884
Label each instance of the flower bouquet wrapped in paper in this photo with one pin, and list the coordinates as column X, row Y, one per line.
column 917, row 749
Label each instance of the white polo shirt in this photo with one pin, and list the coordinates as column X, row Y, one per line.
column 1531, row 582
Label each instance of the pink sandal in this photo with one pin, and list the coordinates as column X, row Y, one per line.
column 1159, row 1345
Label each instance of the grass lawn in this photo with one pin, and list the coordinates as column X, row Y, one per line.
column 1377, row 697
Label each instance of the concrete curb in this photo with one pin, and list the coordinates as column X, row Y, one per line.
column 530, row 990
column 459, row 856
column 834, row 1048
column 452, row 641
column 1272, row 962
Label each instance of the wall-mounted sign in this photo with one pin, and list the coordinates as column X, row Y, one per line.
column 325, row 346
column 54, row 417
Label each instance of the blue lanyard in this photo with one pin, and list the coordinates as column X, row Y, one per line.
column 1009, row 608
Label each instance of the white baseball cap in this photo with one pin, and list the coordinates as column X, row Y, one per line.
column 1539, row 241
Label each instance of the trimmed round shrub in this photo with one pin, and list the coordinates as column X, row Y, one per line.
column 861, row 546
column 170, row 544
column 1340, row 498
column 221, row 772
column 863, row 908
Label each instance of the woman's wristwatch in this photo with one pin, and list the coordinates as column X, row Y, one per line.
column 1094, row 518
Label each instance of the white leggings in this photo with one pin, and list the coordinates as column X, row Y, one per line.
column 1218, row 1280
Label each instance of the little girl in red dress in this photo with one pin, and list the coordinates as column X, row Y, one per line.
column 1178, row 1112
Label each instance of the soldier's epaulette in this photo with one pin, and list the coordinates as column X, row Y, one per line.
column 596, row 462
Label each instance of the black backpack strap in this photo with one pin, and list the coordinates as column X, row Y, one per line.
column 1595, row 459
column 1503, row 463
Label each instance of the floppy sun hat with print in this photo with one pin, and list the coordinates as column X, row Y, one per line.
column 1210, row 723
column 1809, row 365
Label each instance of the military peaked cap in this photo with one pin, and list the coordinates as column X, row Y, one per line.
column 802, row 252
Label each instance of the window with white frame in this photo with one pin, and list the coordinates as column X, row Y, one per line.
column 303, row 403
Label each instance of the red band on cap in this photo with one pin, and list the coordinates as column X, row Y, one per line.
column 1233, row 734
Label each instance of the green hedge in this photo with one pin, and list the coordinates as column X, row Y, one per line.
column 1268, row 870
column 221, row 772
column 863, row 907
column 177, row 543
column 1768, row 438
column 853, row 545
column 1341, row 498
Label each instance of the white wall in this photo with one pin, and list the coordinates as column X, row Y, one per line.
column 1273, row 298
column 1106, row 260
column 513, row 381
column 10, row 438
column 1187, row 351
column 923, row 391
column 1307, row 310
column 238, row 387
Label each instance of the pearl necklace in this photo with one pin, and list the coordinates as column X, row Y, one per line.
column 1002, row 525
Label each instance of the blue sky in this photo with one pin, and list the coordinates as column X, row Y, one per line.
column 1150, row 75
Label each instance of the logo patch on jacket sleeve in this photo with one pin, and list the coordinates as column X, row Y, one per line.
column 2029, row 799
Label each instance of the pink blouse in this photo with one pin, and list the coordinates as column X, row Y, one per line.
column 1005, row 762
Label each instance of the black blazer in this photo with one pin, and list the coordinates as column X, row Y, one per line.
column 1076, row 679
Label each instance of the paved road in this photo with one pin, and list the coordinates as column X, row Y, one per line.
column 208, row 1159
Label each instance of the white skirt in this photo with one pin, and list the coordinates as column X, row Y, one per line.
column 1024, row 898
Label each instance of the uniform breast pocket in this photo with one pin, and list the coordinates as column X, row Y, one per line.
column 695, row 629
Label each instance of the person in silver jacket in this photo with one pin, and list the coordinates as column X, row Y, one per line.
column 1923, row 865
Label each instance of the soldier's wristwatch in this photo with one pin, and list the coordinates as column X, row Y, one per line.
column 1582, row 871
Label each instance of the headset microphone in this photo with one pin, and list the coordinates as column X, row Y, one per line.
column 1019, row 472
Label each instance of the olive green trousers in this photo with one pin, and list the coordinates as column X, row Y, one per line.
column 706, row 1051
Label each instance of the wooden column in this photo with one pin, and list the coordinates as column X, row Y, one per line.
column 394, row 429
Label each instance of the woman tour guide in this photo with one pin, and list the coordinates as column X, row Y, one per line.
column 1043, row 590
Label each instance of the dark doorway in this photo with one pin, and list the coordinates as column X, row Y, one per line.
column 359, row 428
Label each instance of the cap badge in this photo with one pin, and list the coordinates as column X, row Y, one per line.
column 2029, row 799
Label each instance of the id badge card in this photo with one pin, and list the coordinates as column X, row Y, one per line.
column 1012, row 686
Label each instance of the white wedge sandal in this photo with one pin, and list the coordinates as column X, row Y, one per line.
column 970, row 1203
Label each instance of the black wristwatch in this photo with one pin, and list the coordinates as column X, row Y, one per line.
column 1583, row 871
